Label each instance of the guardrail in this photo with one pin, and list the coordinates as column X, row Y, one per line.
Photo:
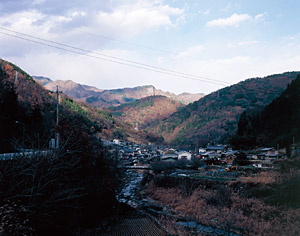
column 11, row 156
column 138, row 167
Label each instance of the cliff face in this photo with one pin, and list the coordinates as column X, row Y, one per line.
column 114, row 97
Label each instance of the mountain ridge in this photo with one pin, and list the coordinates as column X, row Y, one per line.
column 36, row 99
column 215, row 116
column 276, row 123
column 103, row 98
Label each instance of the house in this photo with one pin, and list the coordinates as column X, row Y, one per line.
column 269, row 151
column 229, row 157
column 184, row 156
column 170, row 151
column 209, row 155
column 264, row 164
column 216, row 148
column 116, row 141
column 169, row 157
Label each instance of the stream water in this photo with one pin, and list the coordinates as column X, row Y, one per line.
column 204, row 229
column 130, row 190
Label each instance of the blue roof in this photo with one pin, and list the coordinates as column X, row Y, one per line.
column 215, row 147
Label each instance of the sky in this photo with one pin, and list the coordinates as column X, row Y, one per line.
column 194, row 46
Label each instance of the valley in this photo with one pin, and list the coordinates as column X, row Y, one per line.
column 161, row 158
column 149, row 118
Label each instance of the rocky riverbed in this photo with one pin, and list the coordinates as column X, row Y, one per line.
column 130, row 195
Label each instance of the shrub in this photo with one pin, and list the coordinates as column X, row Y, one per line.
column 62, row 191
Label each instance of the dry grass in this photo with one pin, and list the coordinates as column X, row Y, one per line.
column 230, row 213
column 265, row 177
column 170, row 224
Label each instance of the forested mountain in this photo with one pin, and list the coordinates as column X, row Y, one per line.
column 34, row 109
column 215, row 116
column 146, row 111
column 277, row 123
column 58, row 192
column 25, row 107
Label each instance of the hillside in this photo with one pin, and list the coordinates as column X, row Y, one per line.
column 215, row 117
column 146, row 111
column 115, row 97
column 33, row 102
column 277, row 123
column 54, row 192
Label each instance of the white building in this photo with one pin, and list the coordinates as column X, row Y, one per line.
column 184, row 156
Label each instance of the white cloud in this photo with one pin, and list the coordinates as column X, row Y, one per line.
column 259, row 16
column 141, row 17
column 234, row 60
column 120, row 19
column 191, row 52
column 37, row 2
column 245, row 43
column 205, row 12
column 78, row 23
column 87, row 27
column 233, row 20
column 228, row 6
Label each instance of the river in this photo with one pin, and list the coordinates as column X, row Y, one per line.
column 129, row 194
column 131, row 188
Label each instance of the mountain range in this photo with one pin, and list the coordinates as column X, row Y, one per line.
column 24, row 100
column 107, row 98
column 212, row 118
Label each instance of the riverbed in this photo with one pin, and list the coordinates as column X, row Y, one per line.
column 130, row 195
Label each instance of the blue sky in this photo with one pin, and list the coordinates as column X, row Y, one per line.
column 227, row 41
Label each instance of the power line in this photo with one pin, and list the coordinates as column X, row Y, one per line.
column 121, row 59
column 104, row 36
column 105, row 59
column 95, row 57
column 117, row 40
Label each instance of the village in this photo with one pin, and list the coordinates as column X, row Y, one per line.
column 152, row 170
column 208, row 160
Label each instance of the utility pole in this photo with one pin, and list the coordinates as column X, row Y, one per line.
column 57, row 117
column 293, row 151
column 153, row 91
column 293, row 141
column 16, row 77
column 23, row 133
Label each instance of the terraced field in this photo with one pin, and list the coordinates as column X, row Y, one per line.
column 137, row 227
